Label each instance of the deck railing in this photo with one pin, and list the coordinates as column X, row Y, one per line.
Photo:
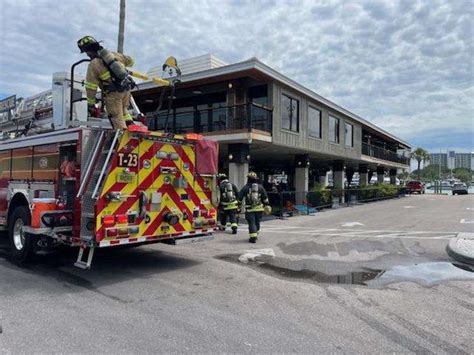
column 248, row 117
column 384, row 154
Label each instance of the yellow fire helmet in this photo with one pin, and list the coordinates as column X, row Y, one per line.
column 86, row 43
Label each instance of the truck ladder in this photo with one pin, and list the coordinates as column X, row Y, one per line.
column 93, row 179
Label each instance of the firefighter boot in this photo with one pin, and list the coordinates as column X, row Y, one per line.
column 253, row 238
column 234, row 228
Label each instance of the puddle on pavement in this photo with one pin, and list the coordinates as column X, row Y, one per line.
column 350, row 278
column 427, row 274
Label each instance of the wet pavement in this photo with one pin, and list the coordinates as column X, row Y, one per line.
column 427, row 274
column 374, row 278
column 305, row 275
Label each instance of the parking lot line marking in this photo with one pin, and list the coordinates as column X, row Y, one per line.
column 352, row 224
column 466, row 221
column 284, row 228
column 369, row 236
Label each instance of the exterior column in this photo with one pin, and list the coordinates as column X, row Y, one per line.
column 349, row 175
column 380, row 174
column 238, row 157
column 238, row 173
column 393, row 176
column 363, row 175
column 369, row 175
column 301, row 180
column 338, row 178
column 338, row 174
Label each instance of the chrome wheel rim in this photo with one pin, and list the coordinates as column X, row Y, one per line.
column 18, row 235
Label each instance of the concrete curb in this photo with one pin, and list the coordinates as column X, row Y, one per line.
column 461, row 248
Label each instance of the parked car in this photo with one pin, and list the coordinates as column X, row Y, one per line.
column 415, row 186
column 460, row 189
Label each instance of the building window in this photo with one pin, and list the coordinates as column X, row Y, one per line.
column 314, row 122
column 349, row 140
column 333, row 129
column 290, row 113
column 258, row 94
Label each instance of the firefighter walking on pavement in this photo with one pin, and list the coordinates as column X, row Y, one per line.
column 229, row 204
column 107, row 72
column 256, row 203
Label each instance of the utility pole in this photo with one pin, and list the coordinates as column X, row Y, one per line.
column 121, row 33
column 439, row 171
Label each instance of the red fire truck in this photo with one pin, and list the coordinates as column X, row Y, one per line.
column 67, row 179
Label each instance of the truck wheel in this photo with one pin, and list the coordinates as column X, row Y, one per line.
column 22, row 245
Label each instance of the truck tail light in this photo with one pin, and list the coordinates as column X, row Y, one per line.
column 108, row 220
column 212, row 213
column 193, row 136
column 122, row 218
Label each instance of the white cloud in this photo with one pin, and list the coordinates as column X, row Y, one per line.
column 406, row 65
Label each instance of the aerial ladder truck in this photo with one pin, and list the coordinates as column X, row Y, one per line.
column 70, row 179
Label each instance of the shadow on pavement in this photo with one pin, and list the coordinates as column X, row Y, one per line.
column 110, row 265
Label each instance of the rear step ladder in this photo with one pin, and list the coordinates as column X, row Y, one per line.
column 90, row 189
column 85, row 265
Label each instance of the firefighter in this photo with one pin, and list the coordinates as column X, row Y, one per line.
column 256, row 203
column 229, row 204
column 107, row 72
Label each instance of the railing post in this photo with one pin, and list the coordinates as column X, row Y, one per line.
column 249, row 116
column 281, row 204
column 71, row 93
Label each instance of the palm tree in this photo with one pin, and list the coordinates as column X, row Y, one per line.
column 420, row 155
column 404, row 176
column 121, row 33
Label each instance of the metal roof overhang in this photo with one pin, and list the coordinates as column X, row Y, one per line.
column 256, row 69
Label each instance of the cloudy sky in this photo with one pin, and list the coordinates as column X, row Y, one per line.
column 405, row 65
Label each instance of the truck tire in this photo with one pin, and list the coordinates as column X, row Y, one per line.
column 22, row 245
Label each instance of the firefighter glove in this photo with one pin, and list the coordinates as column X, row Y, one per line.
column 267, row 209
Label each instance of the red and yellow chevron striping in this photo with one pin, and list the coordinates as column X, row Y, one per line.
column 163, row 170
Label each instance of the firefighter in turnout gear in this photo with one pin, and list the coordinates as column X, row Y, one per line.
column 107, row 72
column 256, row 202
column 229, row 204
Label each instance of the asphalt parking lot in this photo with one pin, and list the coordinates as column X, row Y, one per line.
column 373, row 278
